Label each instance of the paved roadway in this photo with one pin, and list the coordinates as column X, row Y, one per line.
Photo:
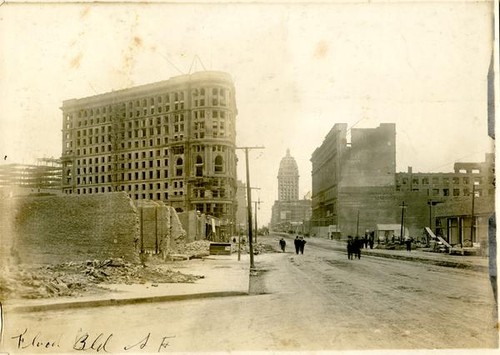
column 316, row 301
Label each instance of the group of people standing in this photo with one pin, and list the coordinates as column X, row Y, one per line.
column 299, row 244
column 354, row 247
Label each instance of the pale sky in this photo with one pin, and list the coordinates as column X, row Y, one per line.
column 298, row 69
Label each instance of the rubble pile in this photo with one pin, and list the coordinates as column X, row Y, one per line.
column 197, row 249
column 260, row 248
column 72, row 279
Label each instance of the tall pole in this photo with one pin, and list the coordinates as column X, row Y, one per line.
column 256, row 229
column 249, row 205
column 357, row 225
column 430, row 214
column 472, row 221
column 256, row 203
column 142, row 230
column 156, row 230
column 403, row 206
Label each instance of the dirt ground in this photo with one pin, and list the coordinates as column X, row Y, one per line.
column 319, row 301
column 85, row 278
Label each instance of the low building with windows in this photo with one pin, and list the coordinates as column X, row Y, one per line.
column 170, row 141
column 459, row 183
column 445, row 201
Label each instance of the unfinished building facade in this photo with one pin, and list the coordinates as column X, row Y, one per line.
column 170, row 141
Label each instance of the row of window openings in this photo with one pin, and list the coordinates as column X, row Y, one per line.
column 84, row 191
column 197, row 114
column 142, row 133
column 455, row 180
column 178, row 105
column 136, row 143
column 135, row 196
column 216, row 209
column 144, row 154
column 455, row 192
column 136, row 176
column 199, row 165
column 177, row 97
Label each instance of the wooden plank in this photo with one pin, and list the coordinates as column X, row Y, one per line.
column 431, row 233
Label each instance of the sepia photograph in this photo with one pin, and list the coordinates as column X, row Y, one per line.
column 248, row 176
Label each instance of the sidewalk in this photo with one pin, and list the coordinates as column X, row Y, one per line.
column 223, row 276
column 475, row 263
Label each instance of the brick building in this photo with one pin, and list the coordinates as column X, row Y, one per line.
column 353, row 183
column 355, row 187
column 170, row 141
column 444, row 201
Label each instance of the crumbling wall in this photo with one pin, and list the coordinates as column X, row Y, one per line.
column 56, row 229
column 7, row 216
column 159, row 226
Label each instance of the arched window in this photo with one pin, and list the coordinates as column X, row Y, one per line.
column 219, row 164
column 199, row 166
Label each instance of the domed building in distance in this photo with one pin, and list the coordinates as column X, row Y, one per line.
column 289, row 212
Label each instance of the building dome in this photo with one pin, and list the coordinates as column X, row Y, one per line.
column 288, row 166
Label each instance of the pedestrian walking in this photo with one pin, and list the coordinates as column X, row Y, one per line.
column 408, row 241
column 350, row 247
column 302, row 245
column 282, row 244
column 357, row 247
column 296, row 243
column 372, row 239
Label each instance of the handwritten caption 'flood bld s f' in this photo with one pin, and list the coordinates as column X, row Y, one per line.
column 88, row 342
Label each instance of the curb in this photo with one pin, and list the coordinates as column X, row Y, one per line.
column 445, row 263
column 124, row 301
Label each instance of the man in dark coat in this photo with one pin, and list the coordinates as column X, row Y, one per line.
column 296, row 243
column 301, row 245
column 357, row 247
column 282, row 244
column 350, row 247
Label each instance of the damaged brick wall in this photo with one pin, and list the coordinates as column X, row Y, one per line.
column 56, row 229
column 161, row 228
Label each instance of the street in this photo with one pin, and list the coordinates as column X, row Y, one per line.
column 316, row 301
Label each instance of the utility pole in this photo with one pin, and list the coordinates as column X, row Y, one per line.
column 249, row 205
column 472, row 221
column 357, row 226
column 256, row 229
column 403, row 206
